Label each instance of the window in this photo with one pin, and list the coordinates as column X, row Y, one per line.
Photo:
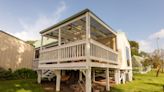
column 127, row 56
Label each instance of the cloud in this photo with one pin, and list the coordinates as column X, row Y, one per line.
column 31, row 30
column 150, row 44
column 159, row 34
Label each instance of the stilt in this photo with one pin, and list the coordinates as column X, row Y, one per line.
column 130, row 74
column 93, row 79
column 117, row 76
column 58, row 77
column 39, row 72
column 80, row 76
column 88, row 84
column 107, row 80
column 123, row 77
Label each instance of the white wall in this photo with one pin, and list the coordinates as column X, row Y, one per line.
column 122, row 43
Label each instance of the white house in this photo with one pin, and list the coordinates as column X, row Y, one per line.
column 86, row 44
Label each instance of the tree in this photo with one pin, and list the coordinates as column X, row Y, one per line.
column 134, row 48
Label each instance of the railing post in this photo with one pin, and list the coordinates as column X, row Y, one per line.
column 88, row 38
column 59, row 43
column 41, row 44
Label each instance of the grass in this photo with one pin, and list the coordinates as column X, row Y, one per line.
column 142, row 83
column 20, row 86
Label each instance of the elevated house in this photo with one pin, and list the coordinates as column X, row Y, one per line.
column 84, row 43
column 14, row 52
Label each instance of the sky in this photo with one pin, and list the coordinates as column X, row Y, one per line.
column 141, row 20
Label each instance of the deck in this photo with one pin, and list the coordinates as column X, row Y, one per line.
column 73, row 55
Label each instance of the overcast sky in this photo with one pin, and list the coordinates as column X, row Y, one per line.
column 141, row 20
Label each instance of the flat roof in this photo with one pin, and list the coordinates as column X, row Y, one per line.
column 73, row 17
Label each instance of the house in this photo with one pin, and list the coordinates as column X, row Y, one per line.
column 14, row 52
column 86, row 44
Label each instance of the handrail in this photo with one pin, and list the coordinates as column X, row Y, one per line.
column 63, row 46
column 102, row 45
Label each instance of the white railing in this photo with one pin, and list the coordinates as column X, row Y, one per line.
column 67, row 52
column 101, row 52
column 35, row 64
column 76, row 51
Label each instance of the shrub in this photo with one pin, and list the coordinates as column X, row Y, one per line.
column 25, row 73
column 5, row 74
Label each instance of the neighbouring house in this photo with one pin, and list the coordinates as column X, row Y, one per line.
column 14, row 52
column 137, row 64
column 83, row 46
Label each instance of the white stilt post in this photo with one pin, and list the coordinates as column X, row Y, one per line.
column 130, row 74
column 58, row 75
column 39, row 72
column 117, row 76
column 93, row 75
column 107, row 79
column 88, row 80
column 123, row 77
column 80, row 76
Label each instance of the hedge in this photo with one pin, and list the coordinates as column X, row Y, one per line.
column 23, row 73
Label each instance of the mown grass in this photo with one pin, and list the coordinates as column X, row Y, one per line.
column 142, row 83
column 29, row 85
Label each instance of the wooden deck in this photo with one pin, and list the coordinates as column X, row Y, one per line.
column 73, row 55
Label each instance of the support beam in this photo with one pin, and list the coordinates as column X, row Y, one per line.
column 114, row 43
column 58, row 78
column 80, row 76
column 117, row 76
column 41, row 44
column 93, row 78
column 39, row 72
column 130, row 75
column 88, row 84
column 107, row 80
column 123, row 76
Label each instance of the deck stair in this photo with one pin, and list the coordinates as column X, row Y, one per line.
column 48, row 74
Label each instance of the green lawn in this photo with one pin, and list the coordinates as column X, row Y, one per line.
column 20, row 86
column 142, row 83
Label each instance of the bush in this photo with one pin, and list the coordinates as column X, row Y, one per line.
column 25, row 73
column 5, row 74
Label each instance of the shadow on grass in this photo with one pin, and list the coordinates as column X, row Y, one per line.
column 114, row 89
column 155, row 84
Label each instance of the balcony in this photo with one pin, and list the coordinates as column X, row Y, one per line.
column 74, row 55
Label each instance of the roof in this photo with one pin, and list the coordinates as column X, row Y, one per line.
column 37, row 44
column 72, row 17
column 14, row 37
column 137, row 61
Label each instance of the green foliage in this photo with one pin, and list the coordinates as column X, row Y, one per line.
column 18, row 74
column 25, row 74
column 134, row 48
column 5, row 74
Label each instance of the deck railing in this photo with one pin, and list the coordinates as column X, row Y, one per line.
column 35, row 64
column 101, row 52
column 67, row 52
column 76, row 51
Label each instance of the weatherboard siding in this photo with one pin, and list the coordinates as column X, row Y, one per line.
column 15, row 53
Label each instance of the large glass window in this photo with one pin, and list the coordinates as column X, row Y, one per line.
column 127, row 56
